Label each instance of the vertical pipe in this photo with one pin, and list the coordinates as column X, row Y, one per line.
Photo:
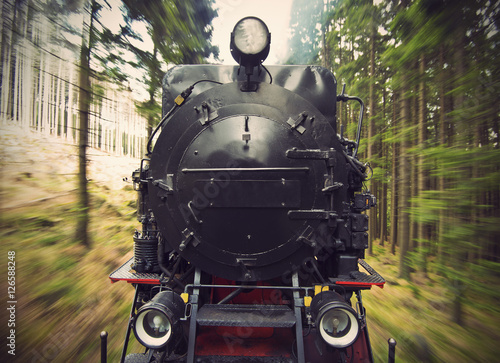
column 104, row 346
column 129, row 327
column 392, row 350
column 298, row 316
column 194, row 300
column 362, row 312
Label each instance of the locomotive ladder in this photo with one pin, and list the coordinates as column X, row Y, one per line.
column 276, row 316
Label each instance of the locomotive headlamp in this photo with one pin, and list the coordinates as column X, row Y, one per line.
column 250, row 42
column 336, row 321
column 157, row 321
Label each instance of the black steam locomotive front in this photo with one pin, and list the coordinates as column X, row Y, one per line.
column 252, row 217
column 246, row 184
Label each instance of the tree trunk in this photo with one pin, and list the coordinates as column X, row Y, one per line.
column 82, row 234
column 412, row 142
column 422, row 174
column 459, row 249
column 8, row 70
column 394, row 180
column 58, row 91
column 383, row 195
column 45, row 99
column 372, row 213
column 443, row 133
column 383, row 214
column 382, row 202
column 404, row 233
column 70, row 109
column 16, row 85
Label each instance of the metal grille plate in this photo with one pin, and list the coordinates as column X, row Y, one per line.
column 243, row 359
column 275, row 316
column 360, row 279
column 125, row 273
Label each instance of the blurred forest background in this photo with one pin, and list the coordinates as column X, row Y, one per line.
column 427, row 71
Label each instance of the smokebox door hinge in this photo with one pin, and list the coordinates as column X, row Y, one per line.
column 166, row 185
column 296, row 124
column 209, row 113
column 189, row 237
column 307, row 237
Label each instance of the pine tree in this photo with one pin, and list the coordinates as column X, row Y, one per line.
column 84, row 100
column 305, row 22
column 181, row 33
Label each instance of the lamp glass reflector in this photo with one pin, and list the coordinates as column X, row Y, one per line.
column 153, row 328
column 250, row 36
column 339, row 327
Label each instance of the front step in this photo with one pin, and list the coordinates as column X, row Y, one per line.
column 272, row 316
column 242, row 359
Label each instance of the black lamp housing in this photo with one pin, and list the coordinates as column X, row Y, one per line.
column 158, row 321
column 250, row 42
column 336, row 321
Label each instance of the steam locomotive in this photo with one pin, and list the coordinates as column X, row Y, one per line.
column 251, row 205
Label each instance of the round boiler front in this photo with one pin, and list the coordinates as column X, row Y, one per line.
column 233, row 186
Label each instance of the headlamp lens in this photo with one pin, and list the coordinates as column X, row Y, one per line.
column 156, row 324
column 336, row 323
column 158, row 321
column 251, row 36
column 339, row 327
column 153, row 328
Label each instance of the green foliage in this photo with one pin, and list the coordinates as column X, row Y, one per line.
column 435, row 75
column 150, row 110
column 417, row 314
column 305, row 27
column 180, row 30
column 181, row 33
column 63, row 289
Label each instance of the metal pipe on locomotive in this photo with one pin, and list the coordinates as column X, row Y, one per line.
column 253, row 231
